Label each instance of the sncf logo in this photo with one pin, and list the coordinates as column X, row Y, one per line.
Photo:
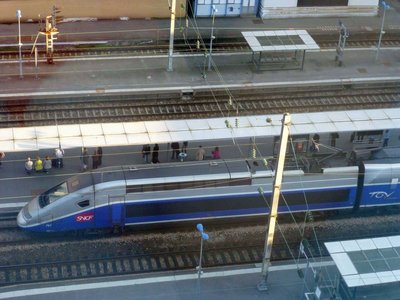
column 380, row 195
column 85, row 217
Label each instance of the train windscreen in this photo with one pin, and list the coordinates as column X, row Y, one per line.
column 53, row 194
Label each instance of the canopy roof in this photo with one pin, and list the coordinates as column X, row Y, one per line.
column 151, row 132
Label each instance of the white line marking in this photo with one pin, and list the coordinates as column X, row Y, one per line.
column 139, row 281
column 203, row 87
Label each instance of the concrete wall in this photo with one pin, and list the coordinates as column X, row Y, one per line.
column 100, row 9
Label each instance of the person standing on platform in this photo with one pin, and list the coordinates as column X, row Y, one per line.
column 154, row 156
column 200, row 153
column 59, row 154
column 38, row 164
column 386, row 137
column 175, row 150
column 184, row 146
column 84, row 159
column 28, row 166
column 95, row 159
column 47, row 164
column 100, row 155
column 146, row 150
column 216, row 154
column 2, row 155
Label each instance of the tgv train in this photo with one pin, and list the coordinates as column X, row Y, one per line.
column 187, row 191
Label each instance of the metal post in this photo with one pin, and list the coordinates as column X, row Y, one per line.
column 204, row 236
column 262, row 285
column 212, row 37
column 19, row 15
column 385, row 6
column 171, row 36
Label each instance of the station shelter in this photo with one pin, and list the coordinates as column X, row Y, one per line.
column 279, row 49
column 369, row 268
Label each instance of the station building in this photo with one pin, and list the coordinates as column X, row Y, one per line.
column 273, row 9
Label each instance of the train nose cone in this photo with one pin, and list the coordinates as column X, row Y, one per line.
column 21, row 220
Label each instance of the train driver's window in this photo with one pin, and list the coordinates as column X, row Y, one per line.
column 83, row 203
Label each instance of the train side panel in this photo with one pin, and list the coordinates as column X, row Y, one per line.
column 381, row 185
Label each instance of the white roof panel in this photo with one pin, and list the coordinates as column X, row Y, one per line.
column 160, row 137
column 113, row 128
column 366, row 244
column 69, row 130
column 382, row 242
column 138, row 139
column 46, row 132
column 134, row 127
column 48, row 143
column 181, row 136
column 177, row 125
column 6, row 134
column 116, row 139
column 7, row 146
column 353, row 280
column 386, row 277
column 24, row 133
column 394, row 240
column 370, row 278
column 91, row 129
column 334, row 247
column 93, row 141
column 339, row 116
column 156, row 126
column 350, row 246
column 344, row 264
column 70, row 142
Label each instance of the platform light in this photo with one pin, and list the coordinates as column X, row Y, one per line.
column 382, row 32
column 19, row 16
column 212, row 37
column 204, row 237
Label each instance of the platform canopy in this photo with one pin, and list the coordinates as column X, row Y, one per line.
column 166, row 131
column 279, row 40
column 366, row 262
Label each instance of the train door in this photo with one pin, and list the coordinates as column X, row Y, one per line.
column 116, row 206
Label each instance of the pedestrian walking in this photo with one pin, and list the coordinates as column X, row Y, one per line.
column 100, row 155
column 84, row 159
column 28, row 166
column 154, row 156
column 216, row 153
column 200, row 153
column 146, row 150
column 95, row 159
column 2, row 155
column 175, row 150
column 59, row 154
column 47, row 164
column 38, row 164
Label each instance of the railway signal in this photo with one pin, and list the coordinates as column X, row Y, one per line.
column 50, row 32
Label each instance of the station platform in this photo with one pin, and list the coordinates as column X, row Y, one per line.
column 284, row 283
column 140, row 73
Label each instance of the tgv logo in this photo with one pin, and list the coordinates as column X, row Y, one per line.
column 380, row 195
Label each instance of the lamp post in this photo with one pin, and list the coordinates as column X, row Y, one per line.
column 171, row 35
column 204, row 237
column 19, row 15
column 212, row 37
column 385, row 7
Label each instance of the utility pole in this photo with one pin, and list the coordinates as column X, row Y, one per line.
column 344, row 34
column 382, row 32
column 172, row 8
column 286, row 122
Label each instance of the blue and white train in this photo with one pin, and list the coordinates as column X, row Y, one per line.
column 188, row 191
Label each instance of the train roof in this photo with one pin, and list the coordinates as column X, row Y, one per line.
column 241, row 168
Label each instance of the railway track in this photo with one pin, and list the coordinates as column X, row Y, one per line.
column 152, row 47
column 52, row 261
column 199, row 104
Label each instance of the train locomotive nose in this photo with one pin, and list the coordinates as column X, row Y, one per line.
column 21, row 221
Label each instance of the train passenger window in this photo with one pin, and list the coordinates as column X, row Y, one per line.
column 84, row 203
column 149, row 188
column 240, row 181
column 133, row 189
column 186, row 185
